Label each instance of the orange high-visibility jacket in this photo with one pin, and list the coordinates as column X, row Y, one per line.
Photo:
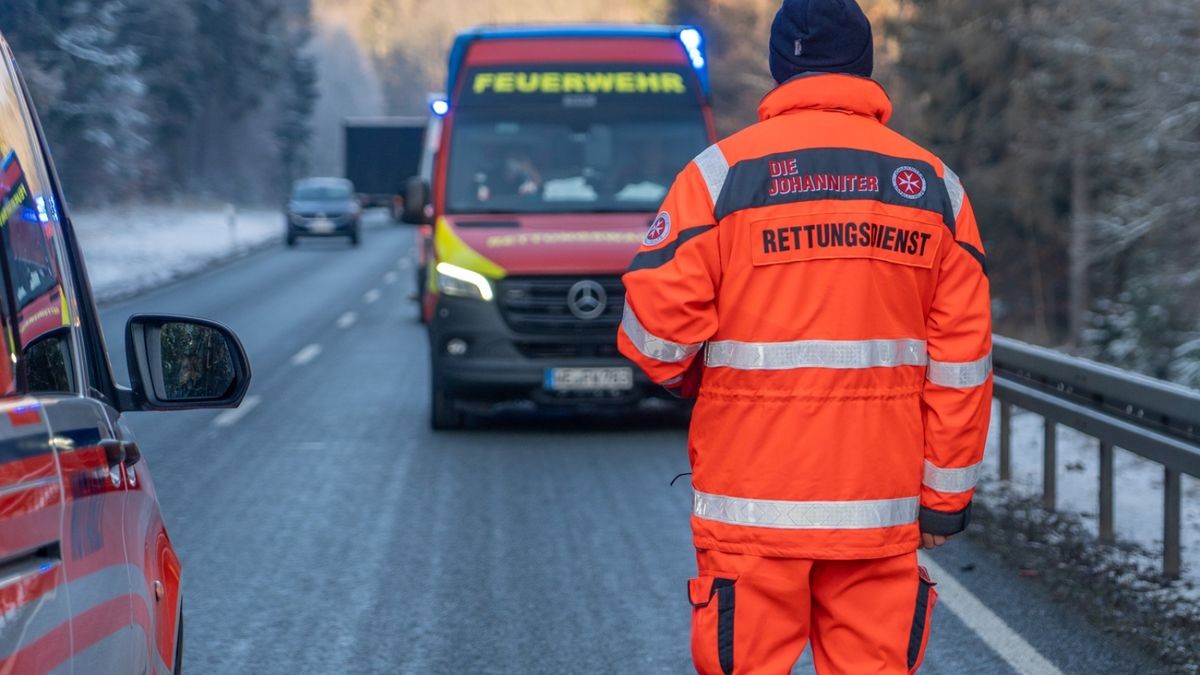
column 825, row 278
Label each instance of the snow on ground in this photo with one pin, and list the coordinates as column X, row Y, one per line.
column 1137, row 485
column 132, row 248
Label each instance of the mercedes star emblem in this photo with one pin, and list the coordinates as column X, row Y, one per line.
column 587, row 300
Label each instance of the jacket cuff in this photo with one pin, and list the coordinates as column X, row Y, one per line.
column 944, row 524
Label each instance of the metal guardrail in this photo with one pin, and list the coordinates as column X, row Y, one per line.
column 1156, row 420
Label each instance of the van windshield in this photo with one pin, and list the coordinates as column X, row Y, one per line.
column 561, row 161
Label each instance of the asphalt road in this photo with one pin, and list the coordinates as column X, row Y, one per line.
column 324, row 529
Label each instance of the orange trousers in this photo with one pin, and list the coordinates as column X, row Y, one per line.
column 755, row 615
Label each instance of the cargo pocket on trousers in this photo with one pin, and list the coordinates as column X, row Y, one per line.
column 918, row 638
column 713, row 599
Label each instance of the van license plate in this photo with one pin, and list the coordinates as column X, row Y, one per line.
column 589, row 379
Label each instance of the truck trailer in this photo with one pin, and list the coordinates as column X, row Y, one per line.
column 381, row 153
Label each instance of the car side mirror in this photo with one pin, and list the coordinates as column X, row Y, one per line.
column 417, row 201
column 181, row 363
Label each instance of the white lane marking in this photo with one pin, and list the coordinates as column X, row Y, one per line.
column 233, row 416
column 391, row 278
column 372, row 295
column 994, row 632
column 306, row 355
column 405, row 263
column 346, row 320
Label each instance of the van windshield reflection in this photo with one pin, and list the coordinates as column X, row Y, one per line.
column 542, row 165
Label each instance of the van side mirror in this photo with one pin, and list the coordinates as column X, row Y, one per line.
column 181, row 363
column 417, row 201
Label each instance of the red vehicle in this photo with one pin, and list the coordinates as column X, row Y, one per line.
column 89, row 581
column 558, row 145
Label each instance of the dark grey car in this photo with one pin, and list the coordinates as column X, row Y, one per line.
column 323, row 207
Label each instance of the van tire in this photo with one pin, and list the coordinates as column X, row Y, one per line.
column 444, row 414
column 291, row 240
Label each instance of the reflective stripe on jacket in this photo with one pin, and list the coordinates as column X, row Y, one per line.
column 828, row 277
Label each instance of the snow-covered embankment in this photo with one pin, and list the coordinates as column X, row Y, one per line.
column 132, row 248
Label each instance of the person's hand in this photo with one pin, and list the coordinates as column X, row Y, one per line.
column 932, row 541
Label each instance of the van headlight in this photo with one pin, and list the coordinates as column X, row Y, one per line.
column 463, row 283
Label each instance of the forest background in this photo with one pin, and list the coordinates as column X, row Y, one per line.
column 1075, row 124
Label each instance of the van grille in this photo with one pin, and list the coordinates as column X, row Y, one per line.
column 569, row 350
column 539, row 306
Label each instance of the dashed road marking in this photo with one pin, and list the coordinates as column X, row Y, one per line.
column 306, row 355
column 405, row 264
column 391, row 278
column 995, row 633
column 372, row 295
column 231, row 417
column 346, row 320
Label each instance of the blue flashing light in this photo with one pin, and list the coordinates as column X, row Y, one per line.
column 43, row 211
column 439, row 107
column 692, row 40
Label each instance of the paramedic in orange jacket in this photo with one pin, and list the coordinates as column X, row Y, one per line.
column 818, row 281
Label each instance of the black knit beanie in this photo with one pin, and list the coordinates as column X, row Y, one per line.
column 824, row 36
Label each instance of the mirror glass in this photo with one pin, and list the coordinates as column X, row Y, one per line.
column 196, row 362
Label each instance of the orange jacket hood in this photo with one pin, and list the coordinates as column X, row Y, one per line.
column 833, row 92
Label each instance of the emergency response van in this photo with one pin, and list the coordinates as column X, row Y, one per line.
column 558, row 145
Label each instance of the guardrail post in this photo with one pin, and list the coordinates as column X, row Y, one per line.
column 1172, row 496
column 1006, row 412
column 1106, row 492
column 1049, row 465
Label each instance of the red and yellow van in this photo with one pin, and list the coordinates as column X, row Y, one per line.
column 558, row 144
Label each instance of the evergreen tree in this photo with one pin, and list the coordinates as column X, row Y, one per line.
column 298, row 98
column 163, row 32
column 91, row 98
column 150, row 98
column 1075, row 127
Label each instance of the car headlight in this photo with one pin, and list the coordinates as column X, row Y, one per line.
column 463, row 283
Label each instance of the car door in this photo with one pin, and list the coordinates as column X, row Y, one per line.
column 35, row 618
column 127, row 530
column 34, row 608
column 105, row 635
column 50, row 368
